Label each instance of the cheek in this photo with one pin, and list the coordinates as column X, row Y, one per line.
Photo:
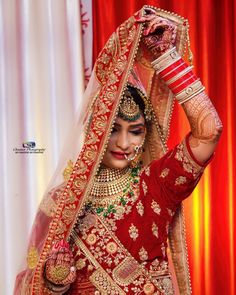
column 138, row 140
column 111, row 141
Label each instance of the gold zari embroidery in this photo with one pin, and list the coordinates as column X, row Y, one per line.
column 133, row 232
column 180, row 180
column 140, row 208
column 155, row 230
column 126, row 272
column 156, row 207
column 32, row 257
column 144, row 186
column 188, row 163
column 68, row 170
column 164, row 172
column 143, row 254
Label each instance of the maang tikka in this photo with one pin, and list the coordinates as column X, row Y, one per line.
column 129, row 110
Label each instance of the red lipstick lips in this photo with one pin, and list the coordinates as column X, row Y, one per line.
column 118, row 155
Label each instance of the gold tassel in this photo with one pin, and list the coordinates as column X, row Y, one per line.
column 190, row 54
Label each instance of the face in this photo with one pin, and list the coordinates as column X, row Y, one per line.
column 124, row 137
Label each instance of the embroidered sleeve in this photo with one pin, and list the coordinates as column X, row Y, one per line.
column 177, row 172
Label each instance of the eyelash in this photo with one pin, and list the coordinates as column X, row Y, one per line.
column 135, row 132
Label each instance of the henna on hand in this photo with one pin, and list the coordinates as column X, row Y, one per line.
column 59, row 267
column 159, row 34
column 206, row 126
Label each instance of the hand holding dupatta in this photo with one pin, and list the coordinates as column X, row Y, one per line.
column 159, row 34
column 59, row 267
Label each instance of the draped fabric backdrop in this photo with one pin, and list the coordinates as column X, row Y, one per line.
column 43, row 70
column 41, row 86
column 210, row 210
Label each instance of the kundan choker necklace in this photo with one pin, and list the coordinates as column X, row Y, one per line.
column 111, row 189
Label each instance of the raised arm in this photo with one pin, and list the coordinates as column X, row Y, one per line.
column 205, row 124
column 204, row 121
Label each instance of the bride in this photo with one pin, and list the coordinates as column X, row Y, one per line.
column 108, row 225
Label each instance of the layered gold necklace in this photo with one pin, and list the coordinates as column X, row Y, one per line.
column 111, row 188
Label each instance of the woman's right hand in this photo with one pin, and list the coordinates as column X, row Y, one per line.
column 60, row 266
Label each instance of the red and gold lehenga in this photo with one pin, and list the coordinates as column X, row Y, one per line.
column 124, row 251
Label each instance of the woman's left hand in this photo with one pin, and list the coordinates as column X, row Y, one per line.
column 159, row 34
column 60, row 266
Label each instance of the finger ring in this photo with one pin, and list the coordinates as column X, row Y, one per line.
column 154, row 38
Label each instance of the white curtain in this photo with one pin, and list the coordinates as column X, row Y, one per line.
column 41, row 86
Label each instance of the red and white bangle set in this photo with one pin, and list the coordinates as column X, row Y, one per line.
column 178, row 75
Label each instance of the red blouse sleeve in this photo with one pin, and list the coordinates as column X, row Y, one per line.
column 177, row 173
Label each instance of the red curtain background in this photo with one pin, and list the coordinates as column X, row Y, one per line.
column 210, row 210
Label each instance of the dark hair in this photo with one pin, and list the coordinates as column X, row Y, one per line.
column 137, row 98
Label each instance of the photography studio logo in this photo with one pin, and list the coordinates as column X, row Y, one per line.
column 29, row 147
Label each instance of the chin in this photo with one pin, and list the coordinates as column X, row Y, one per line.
column 116, row 164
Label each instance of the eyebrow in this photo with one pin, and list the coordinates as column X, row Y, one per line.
column 131, row 125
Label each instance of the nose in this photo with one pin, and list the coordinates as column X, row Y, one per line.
column 123, row 141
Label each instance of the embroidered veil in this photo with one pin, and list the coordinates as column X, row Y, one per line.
column 123, row 59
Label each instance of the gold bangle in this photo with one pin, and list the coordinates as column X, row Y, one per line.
column 165, row 60
column 189, row 92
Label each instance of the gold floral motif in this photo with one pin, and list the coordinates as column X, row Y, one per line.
column 104, row 283
column 68, row 170
column 112, row 79
column 61, row 227
column 144, row 186
column 120, row 66
column 133, row 232
column 163, row 249
column 82, row 167
column 90, row 154
column 165, row 283
column 180, row 180
column 70, row 198
column 68, row 213
column 143, row 254
column 111, row 93
column 147, row 171
column 140, row 208
column 111, row 247
column 100, row 124
column 91, row 239
column 81, row 263
column 58, row 273
column 188, row 163
column 32, row 257
column 92, row 138
column 170, row 212
column 156, row 207
column 120, row 211
column 155, row 229
column 148, row 288
column 80, row 183
column 164, row 172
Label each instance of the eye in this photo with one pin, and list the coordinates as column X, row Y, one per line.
column 137, row 132
column 114, row 130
